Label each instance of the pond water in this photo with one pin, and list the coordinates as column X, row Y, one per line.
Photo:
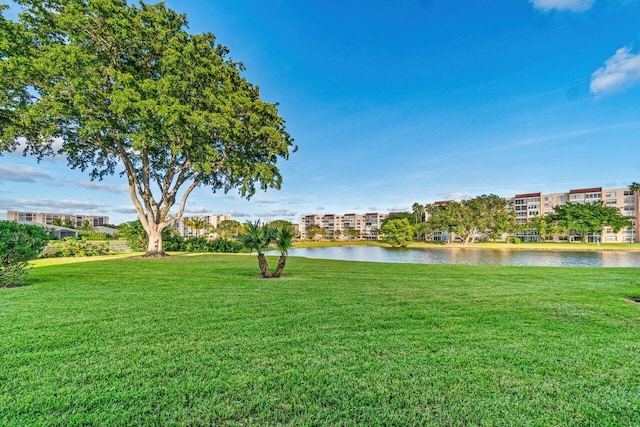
column 474, row 256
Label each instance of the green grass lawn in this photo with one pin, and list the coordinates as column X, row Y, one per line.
column 199, row 340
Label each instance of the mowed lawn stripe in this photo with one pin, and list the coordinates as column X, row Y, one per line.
column 200, row 339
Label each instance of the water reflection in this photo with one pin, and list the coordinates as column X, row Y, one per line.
column 474, row 256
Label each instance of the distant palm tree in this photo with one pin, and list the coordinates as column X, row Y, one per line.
column 635, row 188
column 196, row 224
column 418, row 211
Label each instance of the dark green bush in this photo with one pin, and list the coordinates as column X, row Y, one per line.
column 201, row 244
column 19, row 243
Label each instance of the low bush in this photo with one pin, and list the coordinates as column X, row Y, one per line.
column 71, row 247
column 201, row 244
column 19, row 243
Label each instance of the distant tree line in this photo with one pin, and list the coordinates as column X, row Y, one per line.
column 489, row 217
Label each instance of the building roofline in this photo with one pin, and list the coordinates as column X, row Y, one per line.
column 524, row 196
column 586, row 190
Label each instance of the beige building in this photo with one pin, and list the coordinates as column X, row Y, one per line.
column 530, row 205
column 210, row 221
column 45, row 218
column 335, row 226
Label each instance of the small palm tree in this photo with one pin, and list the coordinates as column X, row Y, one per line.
column 256, row 237
column 283, row 242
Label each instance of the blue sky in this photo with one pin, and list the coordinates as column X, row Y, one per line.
column 408, row 101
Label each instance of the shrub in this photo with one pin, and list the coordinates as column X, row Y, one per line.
column 201, row 244
column 94, row 235
column 516, row 240
column 19, row 243
column 71, row 247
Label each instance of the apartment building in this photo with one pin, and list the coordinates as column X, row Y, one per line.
column 46, row 218
column 210, row 221
column 335, row 226
column 530, row 205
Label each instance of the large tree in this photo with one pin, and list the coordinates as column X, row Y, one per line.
column 398, row 232
column 588, row 218
column 127, row 89
column 486, row 214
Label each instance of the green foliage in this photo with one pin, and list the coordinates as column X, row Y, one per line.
column 544, row 225
column 94, row 235
column 483, row 214
column 228, row 229
column 128, row 89
column 352, row 233
column 260, row 237
column 201, row 244
column 401, row 215
column 284, row 239
column 588, row 218
column 134, row 234
column 72, row 247
column 19, row 244
column 314, row 231
column 196, row 224
column 257, row 237
column 397, row 232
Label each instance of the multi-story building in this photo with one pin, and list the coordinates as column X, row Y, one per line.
column 307, row 221
column 335, row 226
column 209, row 222
column 46, row 218
column 531, row 205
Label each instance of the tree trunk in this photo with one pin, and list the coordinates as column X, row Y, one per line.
column 155, row 242
column 264, row 267
column 281, row 263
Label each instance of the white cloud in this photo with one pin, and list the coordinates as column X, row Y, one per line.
column 99, row 186
column 620, row 71
column 21, row 174
column 124, row 209
column 196, row 210
column 278, row 213
column 570, row 5
column 236, row 214
column 67, row 206
column 456, row 195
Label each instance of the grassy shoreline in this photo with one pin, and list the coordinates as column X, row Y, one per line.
column 200, row 340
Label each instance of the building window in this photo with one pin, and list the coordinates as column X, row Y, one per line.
column 610, row 194
column 611, row 201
